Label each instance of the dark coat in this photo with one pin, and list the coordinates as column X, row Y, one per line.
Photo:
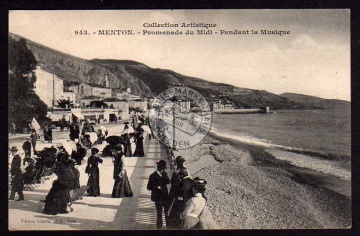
column 74, row 131
column 156, row 181
column 17, row 182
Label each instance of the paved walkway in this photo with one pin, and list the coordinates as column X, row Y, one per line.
column 97, row 213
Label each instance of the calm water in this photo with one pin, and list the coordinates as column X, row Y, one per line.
column 323, row 131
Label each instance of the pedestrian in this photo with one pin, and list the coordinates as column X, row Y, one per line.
column 157, row 184
column 57, row 198
column 195, row 206
column 13, row 127
column 63, row 123
column 139, row 137
column 127, row 145
column 92, row 170
column 17, row 179
column 33, row 137
column 49, row 133
column 122, row 187
column 177, row 193
column 27, row 149
column 86, row 128
column 74, row 131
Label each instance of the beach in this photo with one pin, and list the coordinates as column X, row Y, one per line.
column 252, row 187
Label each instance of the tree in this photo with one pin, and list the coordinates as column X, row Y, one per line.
column 64, row 103
column 24, row 104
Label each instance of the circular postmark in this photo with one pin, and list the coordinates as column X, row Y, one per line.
column 180, row 117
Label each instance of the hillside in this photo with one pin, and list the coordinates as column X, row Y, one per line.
column 316, row 102
column 147, row 81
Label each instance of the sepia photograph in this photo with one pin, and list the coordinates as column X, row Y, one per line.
column 179, row 119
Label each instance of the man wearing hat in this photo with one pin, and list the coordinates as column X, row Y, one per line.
column 157, row 184
column 17, row 179
column 178, row 191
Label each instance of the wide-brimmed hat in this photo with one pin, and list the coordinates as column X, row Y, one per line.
column 179, row 159
column 161, row 163
column 14, row 149
column 94, row 151
column 199, row 184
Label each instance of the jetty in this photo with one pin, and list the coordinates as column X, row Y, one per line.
column 242, row 111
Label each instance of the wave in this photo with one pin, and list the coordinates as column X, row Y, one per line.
column 269, row 144
column 323, row 163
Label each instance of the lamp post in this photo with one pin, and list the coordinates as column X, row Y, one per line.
column 173, row 100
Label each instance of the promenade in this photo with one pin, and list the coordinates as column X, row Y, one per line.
column 96, row 213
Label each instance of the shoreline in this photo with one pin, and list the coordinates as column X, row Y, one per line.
column 315, row 178
column 252, row 189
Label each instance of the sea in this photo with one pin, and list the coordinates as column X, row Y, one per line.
column 323, row 132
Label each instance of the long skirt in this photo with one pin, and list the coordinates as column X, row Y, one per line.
column 139, row 150
column 128, row 151
column 190, row 222
column 93, row 182
column 122, row 187
column 56, row 200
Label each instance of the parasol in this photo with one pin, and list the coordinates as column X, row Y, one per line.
column 146, row 129
column 126, row 123
column 113, row 140
column 129, row 130
column 68, row 146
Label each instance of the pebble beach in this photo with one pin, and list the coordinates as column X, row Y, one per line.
column 249, row 188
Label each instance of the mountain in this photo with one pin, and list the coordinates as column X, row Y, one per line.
column 316, row 102
column 147, row 81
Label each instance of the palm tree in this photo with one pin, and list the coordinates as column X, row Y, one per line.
column 63, row 103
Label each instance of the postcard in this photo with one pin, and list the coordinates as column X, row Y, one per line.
column 179, row 119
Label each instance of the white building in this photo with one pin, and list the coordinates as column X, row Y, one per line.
column 49, row 87
column 84, row 90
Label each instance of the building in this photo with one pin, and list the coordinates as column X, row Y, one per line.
column 69, row 95
column 49, row 87
column 216, row 105
column 142, row 105
column 122, row 94
column 85, row 90
column 85, row 101
column 121, row 105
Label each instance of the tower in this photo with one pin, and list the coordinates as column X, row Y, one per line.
column 106, row 81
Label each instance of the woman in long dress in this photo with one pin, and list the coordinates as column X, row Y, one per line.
column 57, row 198
column 34, row 137
column 93, row 170
column 122, row 187
column 139, row 137
column 127, row 145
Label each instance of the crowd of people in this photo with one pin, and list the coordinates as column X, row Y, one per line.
column 182, row 205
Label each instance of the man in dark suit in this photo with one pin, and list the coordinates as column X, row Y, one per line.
column 74, row 131
column 159, row 192
column 17, row 179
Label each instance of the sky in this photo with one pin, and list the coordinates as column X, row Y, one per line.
column 313, row 59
